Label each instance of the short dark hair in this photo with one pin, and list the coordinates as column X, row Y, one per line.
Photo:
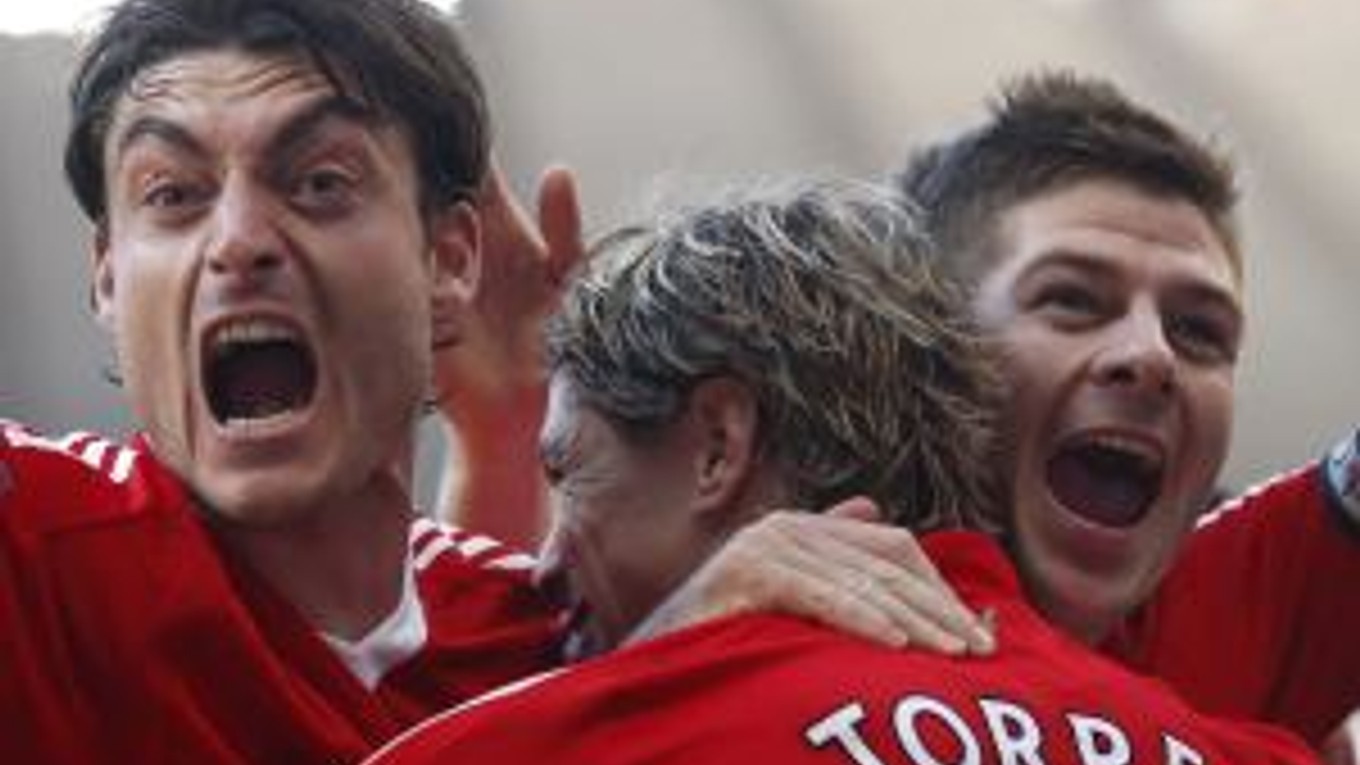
column 403, row 57
column 1050, row 130
column 821, row 298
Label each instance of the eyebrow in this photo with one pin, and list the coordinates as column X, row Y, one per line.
column 1222, row 300
column 303, row 125
column 1076, row 260
column 152, row 126
column 1064, row 258
column 294, row 133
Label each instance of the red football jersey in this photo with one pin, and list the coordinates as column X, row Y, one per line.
column 129, row 636
column 1259, row 617
column 774, row 689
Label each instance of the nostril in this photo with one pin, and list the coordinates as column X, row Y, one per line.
column 1149, row 370
column 237, row 259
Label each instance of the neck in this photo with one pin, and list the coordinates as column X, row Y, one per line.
column 341, row 566
column 1088, row 625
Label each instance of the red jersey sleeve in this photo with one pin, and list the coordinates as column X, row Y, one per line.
column 1259, row 618
column 44, row 718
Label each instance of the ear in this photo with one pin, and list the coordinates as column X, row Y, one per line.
column 456, row 244
column 102, row 279
column 724, row 420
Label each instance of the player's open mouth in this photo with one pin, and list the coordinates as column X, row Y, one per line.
column 256, row 370
column 1107, row 479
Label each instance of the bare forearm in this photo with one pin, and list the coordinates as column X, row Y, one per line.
column 493, row 483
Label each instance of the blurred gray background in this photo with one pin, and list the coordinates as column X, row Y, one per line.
column 659, row 98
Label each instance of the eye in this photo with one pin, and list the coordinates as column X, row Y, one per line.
column 167, row 192
column 556, row 464
column 325, row 189
column 1203, row 337
column 1067, row 302
column 166, row 195
column 170, row 200
column 553, row 474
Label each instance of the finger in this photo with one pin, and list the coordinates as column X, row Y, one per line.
column 559, row 221
column 494, row 195
column 850, row 599
column 892, row 542
column 780, row 588
column 508, row 234
column 865, row 603
column 855, row 508
column 825, row 602
column 855, row 522
column 917, row 599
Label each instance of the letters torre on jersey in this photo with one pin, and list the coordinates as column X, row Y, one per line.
column 928, row 731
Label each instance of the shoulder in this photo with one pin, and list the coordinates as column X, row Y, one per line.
column 470, row 577
column 1273, row 500
column 439, row 550
column 49, row 483
column 1323, row 494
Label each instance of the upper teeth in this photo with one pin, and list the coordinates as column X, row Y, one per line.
column 1137, row 447
column 252, row 331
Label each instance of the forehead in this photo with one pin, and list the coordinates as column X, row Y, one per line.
column 233, row 102
column 220, row 77
column 1108, row 224
column 568, row 422
column 561, row 408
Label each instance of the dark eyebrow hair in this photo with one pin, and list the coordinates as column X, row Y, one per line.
column 1069, row 259
column 294, row 133
column 1218, row 298
column 151, row 126
column 301, row 126
column 1076, row 260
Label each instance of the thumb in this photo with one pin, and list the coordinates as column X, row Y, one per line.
column 856, row 508
column 559, row 221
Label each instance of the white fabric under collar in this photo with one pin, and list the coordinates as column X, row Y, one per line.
column 392, row 641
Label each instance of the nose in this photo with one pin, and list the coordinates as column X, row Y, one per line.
column 247, row 244
column 550, row 575
column 1138, row 356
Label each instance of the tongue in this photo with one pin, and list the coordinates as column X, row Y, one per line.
column 1100, row 487
column 261, row 380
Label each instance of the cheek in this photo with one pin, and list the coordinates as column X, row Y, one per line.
column 1213, row 408
column 386, row 311
column 613, row 552
column 1027, row 399
column 1028, row 359
column 148, row 325
column 593, row 557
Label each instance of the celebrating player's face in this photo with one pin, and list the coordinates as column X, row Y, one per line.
column 267, row 274
column 623, row 535
column 1119, row 317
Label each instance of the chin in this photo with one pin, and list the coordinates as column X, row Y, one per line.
column 260, row 501
column 1086, row 606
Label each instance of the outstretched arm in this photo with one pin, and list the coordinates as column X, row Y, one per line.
column 490, row 388
column 841, row 568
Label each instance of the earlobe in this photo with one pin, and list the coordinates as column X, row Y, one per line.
column 455, row 241
column 726, row 421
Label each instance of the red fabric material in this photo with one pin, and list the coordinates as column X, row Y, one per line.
column 1260, row 618
column 778, row 690
column 128, row 637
